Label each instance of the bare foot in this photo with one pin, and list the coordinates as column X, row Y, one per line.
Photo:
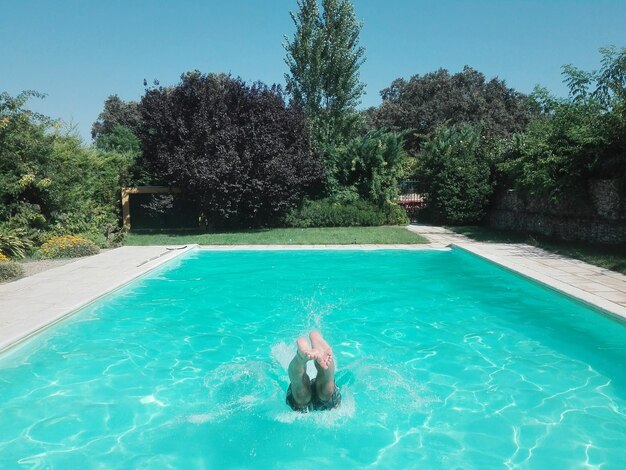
column 324, row 355
column 306, row 353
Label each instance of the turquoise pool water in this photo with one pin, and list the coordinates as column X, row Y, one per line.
column 444, row 361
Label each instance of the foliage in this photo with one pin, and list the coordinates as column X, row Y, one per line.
column 424, row 103
column 50, row 182
column 24, row 147
column 238, row 149
column 555, row 156
column 4, row 257
column 119, row 139
column 333, row 213
column 86, row 190
column 324, row 58
column 454, row 174
column 116, row 114
column 68, row 246
column 578, row 139
column 609, row 82
column 372, row 165
column 116, row 131
column 14, row 243
column 10, row 270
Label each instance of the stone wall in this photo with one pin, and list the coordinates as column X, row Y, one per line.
column 598, row 216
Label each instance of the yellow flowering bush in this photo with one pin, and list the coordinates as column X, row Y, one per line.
column 68, row 246
column 4, row 257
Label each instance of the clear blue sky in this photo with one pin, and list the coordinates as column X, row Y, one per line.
column 79, row 52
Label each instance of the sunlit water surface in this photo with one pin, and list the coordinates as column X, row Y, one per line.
column 444, row 361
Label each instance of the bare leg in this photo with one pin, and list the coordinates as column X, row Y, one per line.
column 300, row 382
column 325, row 365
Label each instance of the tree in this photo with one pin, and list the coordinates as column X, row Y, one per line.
column 119, row 139
column 25, row 146
column 454, row 175
column 609, row 81
column 115, row 115
column 304, row 59
column 603, row 92
column 371, row 165
column 51, row 183
column 576, row 139
column 238, row 149
column 116, row 130
column 423, row 103
column 324, row 58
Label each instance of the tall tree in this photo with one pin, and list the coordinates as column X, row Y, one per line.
column 324, row 58
column 304, row 58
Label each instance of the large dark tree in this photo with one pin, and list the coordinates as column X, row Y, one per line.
column 423, row 103
column 238, row 149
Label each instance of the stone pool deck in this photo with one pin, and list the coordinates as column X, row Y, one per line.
column 35, row 302
column 596, row 286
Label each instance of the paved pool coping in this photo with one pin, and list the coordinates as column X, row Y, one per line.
column 36, row 302
column 418, row 246
column 33, row 303
column 595, row 286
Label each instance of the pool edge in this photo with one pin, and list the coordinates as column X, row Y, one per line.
column 26, row 332
column 358, row 247
column 610, row 309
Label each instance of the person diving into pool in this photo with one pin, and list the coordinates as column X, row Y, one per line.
column 320, row 393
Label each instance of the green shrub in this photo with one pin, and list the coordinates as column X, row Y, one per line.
column 577, row 139
column 454, row 173
column 10, row 269
column 332, row 213
column 50, row 183
column 13, row 243
column 68, row 246
column 395, row 214
column 372, row 165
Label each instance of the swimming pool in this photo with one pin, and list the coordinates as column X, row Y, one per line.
column 444, row 360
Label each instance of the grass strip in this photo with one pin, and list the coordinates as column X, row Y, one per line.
column 282, row 236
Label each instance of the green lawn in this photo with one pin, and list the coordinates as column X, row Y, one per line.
column 282, row 236
column 611, row 257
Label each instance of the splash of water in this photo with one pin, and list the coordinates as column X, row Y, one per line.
column 282, row 353
column 316, row 310
column 235, row 388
